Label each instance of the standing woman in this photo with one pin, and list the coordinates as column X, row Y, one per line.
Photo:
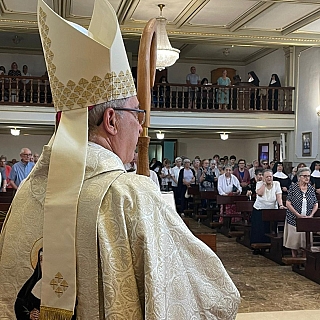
column 229, row 185
column 301, row 203
column 185, row 180
column 253, row 79
column 223, row 94
column 273, row 94
column 280, row 175
column 269, row 196
column 315, row 175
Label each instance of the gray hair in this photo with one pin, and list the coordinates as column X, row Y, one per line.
column 227, row 166
column 186, row 160
column 95, row 115
column 303, row 169
column 213, row 161
column 267, row 170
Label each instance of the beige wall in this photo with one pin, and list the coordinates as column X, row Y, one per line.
column 10, row 146
column 206, row 148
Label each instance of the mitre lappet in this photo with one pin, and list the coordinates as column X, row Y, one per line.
column 85, row 68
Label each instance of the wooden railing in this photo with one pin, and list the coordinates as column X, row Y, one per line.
column 25, row 90
column 242, row 97
column 21, row 90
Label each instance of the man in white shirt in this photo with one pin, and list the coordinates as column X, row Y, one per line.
column 175, row 175
column 193, row 78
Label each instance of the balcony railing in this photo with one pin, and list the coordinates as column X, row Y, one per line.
column 19, row 90
column 240, row 98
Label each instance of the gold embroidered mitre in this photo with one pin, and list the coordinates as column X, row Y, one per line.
column 85, row 67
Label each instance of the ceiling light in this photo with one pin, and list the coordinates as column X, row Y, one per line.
column 166, row 55
column 224, row 136
column 15, row 132
column 160, row 135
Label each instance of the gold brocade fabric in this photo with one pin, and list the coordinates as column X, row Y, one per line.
column 136, row 259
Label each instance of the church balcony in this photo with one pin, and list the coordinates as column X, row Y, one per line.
column 28, row 101
column 239, row 98
column 18, row 90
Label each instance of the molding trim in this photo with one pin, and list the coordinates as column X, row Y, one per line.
column 260, row 7
column 315, row 15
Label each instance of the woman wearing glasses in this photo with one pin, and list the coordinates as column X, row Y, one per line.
column 301, row 203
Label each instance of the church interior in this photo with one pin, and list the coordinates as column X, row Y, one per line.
column 268, row 37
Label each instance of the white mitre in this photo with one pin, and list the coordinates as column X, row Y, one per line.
column 85, row 68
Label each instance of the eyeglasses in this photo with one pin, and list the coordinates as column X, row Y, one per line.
column 265, row 163
column 305, row 176
column 27, row 154
column 140, row 115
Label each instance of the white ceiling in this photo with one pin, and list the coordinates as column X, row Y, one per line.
column 201, row 29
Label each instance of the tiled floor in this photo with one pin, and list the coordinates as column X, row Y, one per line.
column 264, row 285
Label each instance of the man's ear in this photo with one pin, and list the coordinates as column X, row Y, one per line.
column 110, row 121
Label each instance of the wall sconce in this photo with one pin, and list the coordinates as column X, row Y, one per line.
column 224, row 136
column 15, row 132
column 318, row 110
column 160, row 135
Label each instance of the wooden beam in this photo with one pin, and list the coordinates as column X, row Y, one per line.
column 189, row 12
column 315, row 15
column 126, row 10
column 249, row 15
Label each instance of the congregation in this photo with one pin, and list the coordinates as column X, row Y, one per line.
column 13, row 172
column 265, row 183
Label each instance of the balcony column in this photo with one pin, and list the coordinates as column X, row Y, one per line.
column 289, row 53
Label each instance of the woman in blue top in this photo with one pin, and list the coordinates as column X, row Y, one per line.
column 223, row 94
column 301, row 203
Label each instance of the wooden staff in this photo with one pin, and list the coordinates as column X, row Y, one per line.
column 146, row 71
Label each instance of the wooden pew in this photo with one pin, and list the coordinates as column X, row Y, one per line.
column 212, row 213
column 195, row 193
column 5, row 198
column 227, row 226
column 312, row 264
column 277, row 250
column 4, row 207
column 210, row 239
column 245, row 207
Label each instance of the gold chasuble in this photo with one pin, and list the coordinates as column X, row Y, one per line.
column 83, row 239
column 136, row 258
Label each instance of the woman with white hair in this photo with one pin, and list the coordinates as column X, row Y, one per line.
column 229, row 185
column 301, row 203
column 185, row 180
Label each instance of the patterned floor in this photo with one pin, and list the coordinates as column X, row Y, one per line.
column 263, row 284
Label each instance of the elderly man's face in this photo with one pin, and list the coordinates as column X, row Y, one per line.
column 25, row 155
column 128, row 131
